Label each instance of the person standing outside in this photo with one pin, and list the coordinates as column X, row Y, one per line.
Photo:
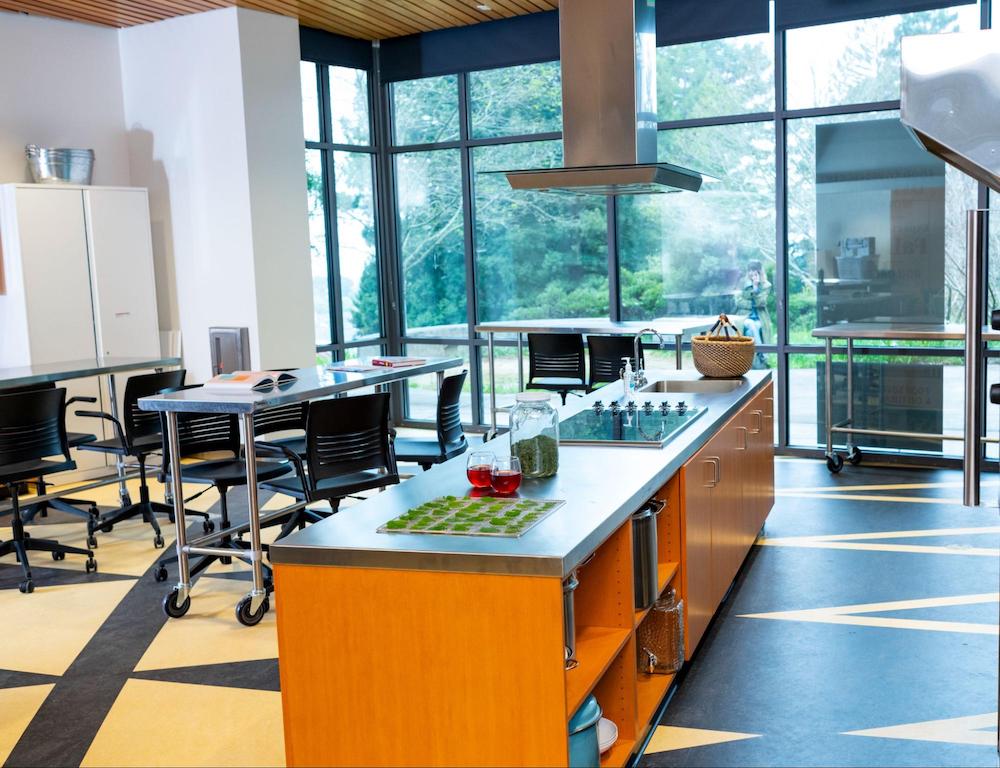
column 752, row 304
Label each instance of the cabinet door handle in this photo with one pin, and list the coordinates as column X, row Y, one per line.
column 716, row 471
column 745, row 431
column 760, row 422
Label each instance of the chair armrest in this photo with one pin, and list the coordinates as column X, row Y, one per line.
column 277, row 451
column 119, row 432
column 80, row 399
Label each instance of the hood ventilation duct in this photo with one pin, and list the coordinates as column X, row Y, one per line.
column 950, row 89
column 608, row 59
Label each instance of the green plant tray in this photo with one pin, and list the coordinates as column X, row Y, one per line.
column 466, row 516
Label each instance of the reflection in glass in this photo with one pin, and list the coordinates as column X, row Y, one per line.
column 516, row 100
column 854, row 62
column 359, row 277
column 425, row 111
column 732, row 76
column 318, row 245
column 537, row 254
column 431, row 242
column 708, row 252
column 349, row 106
column 310, row 101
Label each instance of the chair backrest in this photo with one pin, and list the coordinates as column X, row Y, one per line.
column 202, row 432
column 281, row 418
column 28, row 388
column 556, row 355
column 449, row 414
column 606, row 353
column 146, row 423
column 349, row 434
column 33, row 425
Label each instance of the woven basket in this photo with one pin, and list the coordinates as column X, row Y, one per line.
column 723, row 352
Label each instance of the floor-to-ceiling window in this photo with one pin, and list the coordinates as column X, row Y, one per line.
column 819, row 208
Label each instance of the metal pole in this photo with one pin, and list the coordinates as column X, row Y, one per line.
column 520, row 361
column 850, row 390
column 493, row 386
column 180, row 524
column 974, row 380
column 258, row 592
column 678, row 351
column 828, row 399
column 123, row 494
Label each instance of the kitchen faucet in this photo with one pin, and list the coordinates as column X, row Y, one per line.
column 640, row 373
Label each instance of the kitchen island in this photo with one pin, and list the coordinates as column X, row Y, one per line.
column 419, row 649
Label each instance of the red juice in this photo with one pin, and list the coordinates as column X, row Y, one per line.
column 506, row 481
column 480, row 475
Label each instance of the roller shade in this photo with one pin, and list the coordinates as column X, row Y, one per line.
column 335, row 50
column 534, row 38
column 789, row 14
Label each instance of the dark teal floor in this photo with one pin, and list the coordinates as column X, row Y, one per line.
column 800, row 686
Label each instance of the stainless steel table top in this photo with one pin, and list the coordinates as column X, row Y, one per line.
column 668, row 326
column 79, row 369
column 900, row 331
column 601, row 486
column 310, row 384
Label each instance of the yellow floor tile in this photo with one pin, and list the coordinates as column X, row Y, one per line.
column 153, row 723
column 670, row 737
column 210, row 633
column 43, row 632
column 17, row 707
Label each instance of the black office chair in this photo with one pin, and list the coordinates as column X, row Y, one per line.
column 606, row 353
column 450, row 439
column 199, row 434
column 283, row 418
column 78, row 507
column 349, row 449
column 556, row 363
column 32, row 431
column 138, row 437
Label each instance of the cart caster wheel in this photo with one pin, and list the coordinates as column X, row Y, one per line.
column 57, row 556
column 107, row 527
column 26, row 587
column 158, row 542
column 172, row 608
column 834, row 462
column 855, row 455
column 243, row 615
column 208, row 526
column 226, row 560
column 91, row 565
column 92, row 541
column 160, row 574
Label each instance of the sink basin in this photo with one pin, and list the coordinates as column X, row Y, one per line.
column 703, row 386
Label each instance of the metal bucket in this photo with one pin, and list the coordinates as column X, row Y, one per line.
column 644, row 554
column 60, row 166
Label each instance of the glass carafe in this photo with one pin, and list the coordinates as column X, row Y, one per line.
column 534, row 434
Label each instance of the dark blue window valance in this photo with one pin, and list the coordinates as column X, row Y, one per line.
column 789, row 14
column 335, row 50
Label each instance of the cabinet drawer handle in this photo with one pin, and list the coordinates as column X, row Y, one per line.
column 716, row 463
column 745, row 431
column 760, row 422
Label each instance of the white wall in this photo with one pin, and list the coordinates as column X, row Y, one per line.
column 215, row 134
column 60, row 86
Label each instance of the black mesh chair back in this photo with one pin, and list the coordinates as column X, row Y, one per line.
column 449, row 415
column 606, row 353
column 28, row 388
column 556, row 355
column 347, row 435
column 139, row 424
column 281, row 418
column 32, row 427
column 199, row 433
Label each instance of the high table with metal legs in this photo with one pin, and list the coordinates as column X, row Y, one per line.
column 68, row 370
column 310, row 384
column 677, row 327
column 884, row 331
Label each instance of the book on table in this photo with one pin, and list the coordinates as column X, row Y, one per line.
column 397, row 361
column 250, row 381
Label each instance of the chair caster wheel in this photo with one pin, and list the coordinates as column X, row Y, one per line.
column 160, row 574
column 208, row 526
column 158, row 542
column 243, row 615
column 92, row 541
column 172, row 608
column 57, row 556
column 107, row 527
column 91, row 565
column 834, row 462
column 226, row 560
column 855, row 455
column 27, row 587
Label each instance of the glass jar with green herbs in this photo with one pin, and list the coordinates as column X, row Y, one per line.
column 534, row 434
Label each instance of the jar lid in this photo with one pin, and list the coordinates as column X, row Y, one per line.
column 536, row 396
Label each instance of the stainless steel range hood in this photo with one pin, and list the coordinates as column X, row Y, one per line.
column 949, row 99
column 608, row 59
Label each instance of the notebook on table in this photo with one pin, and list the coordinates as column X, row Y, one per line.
column 250, row 381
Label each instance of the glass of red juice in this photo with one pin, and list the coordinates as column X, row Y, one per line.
column 479, row 469
column 506, row 475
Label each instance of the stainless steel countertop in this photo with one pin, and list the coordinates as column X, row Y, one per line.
column 900, row 331
column 667, row 326
column 64, row 370
column 602, row 487
column 311, row 384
